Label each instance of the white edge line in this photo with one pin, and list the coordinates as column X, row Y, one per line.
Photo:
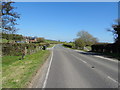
column 102, row 57
column 86, row 62
column 53, row 46
column 112, row 79
column 106, row 58
column 46, row 77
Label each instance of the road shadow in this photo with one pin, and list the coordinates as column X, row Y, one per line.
column 98, row 54
column 89, row 53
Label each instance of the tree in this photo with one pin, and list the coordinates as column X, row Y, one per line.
column 87, row 38
column 40, row 40
column 116, row 32
column 79, row 43
column 9, row 18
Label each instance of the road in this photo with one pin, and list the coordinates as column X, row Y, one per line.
column 74, row 69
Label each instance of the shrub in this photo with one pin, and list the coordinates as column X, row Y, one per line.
column 106, row 47
column 67, row 45
column 17, row 48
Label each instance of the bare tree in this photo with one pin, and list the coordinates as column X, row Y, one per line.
column 87, row 38
column 116, row 31
column 9, row 18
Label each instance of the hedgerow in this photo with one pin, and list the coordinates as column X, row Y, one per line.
column 68, row 45
column 17, row 48
column 106, row 47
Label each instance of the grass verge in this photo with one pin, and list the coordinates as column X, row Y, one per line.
column 51, row 45
column 18, row 73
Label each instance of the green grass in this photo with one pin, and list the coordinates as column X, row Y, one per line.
column 6, row 41
column 51, row 45
column 50, row 41
column 17, row 73
column 89, row 47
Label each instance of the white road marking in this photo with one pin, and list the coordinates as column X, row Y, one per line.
column 112, row 79
column 53, row 46
column 101, row 57
column 46, row 77
column 107, row 58
column 84, row 61
column 79, row 59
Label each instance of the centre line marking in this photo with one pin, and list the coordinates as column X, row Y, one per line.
column 112, row 79
column 79, row 59
column 84, row 61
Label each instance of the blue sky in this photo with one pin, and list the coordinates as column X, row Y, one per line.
column 62, row 20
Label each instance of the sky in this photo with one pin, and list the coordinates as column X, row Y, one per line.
column 63, row 20
column 65, row 0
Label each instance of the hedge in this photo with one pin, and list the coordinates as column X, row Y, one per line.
column 17, row 48
column 67, row 45
column 105, row 47
column 12, row 36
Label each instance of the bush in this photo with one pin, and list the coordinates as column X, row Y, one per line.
column 16, row 49
column 67, row 45
column 47, row 44
column 12, row 36
column 106, row 47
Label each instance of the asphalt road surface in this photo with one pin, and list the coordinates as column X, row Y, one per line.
column 74, row 69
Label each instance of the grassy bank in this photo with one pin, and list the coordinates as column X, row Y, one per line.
column 17, row 73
